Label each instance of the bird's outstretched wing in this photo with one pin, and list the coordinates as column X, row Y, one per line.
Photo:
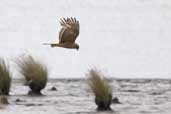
column 69, row 31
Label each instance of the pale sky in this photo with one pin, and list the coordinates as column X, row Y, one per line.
column 122, row 38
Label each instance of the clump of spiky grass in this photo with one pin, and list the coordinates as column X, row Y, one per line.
column 3, row 100
column 35, row 73
column 5, row 78
column 100, row 88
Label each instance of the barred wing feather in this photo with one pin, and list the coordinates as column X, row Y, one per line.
column 69, row 31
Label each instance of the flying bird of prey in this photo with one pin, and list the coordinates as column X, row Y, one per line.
column 68, row 34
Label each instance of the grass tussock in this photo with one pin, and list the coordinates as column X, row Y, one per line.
column 100, row 88
column 35, row 73
column 5, row 78
column 3, row 100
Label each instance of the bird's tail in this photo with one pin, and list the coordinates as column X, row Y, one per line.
column 51, row 44
column 46, row 44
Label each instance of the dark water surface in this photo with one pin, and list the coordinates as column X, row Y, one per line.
column 137, row 96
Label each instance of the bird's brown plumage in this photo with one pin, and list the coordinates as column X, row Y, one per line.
column 68, row 33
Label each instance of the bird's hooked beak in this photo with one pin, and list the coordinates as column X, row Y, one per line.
column 77, row 47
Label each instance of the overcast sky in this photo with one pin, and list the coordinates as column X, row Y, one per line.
column 122, row 38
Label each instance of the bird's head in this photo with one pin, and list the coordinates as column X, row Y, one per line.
column 77, row 47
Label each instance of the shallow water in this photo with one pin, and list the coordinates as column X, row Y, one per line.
column 74, row 97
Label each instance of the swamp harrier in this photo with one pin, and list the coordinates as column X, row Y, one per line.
column 68, row 34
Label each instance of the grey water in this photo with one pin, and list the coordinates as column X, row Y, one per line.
column 137, row 96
